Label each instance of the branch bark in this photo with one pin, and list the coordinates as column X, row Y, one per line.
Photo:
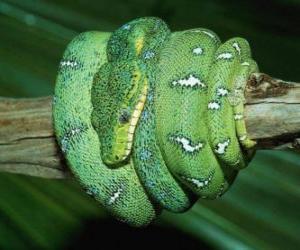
column 28, row 145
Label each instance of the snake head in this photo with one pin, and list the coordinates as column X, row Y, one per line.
column 120, row 87
column 118, row 98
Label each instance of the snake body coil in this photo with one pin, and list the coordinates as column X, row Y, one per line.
column 148, row 119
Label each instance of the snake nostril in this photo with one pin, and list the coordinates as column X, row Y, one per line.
column 117, row 157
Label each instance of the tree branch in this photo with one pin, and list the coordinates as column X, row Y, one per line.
column 28, row 146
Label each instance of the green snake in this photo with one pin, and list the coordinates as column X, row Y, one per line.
column 150, row 120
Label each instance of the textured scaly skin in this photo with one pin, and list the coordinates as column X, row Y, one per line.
column 118, row 190
column 150, row 119
column 182, row 93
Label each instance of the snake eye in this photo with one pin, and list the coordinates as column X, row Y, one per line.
column 124, row 116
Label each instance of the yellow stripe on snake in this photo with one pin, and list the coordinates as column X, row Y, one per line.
column 150, row 120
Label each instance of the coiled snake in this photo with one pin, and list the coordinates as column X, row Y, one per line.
column 149, row 120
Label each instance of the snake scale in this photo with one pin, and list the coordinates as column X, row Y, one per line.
column 150, row 119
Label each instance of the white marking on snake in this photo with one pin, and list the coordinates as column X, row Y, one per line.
column 75, row 131
column 186, row 144
column 245, row 64
column 68, row 63
column 243, row 137
column 191, row 81
column 199, row 183
column 237, row 47
column 236, row 163
column 198, row 51
column 64, row 144
column 115, row 196
column 67, row 137
column 222, row 92
column 221, row 147
column 54, row 100
column 209, row 34
column 213, row 105
column 126, row 27
column 225, row 56
column 238, row 116
column 149, row 54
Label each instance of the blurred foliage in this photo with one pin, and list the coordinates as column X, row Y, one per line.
column 262, row 209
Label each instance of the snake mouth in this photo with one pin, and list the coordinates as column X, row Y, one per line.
column 133, row 122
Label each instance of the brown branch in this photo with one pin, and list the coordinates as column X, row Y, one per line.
column 28, row 146
column 272, row 112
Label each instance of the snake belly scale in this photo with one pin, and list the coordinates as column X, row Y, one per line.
column 150, row 119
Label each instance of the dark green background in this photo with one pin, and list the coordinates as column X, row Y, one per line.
column 262, row 209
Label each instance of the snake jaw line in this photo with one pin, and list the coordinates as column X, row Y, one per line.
column 134, row 120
